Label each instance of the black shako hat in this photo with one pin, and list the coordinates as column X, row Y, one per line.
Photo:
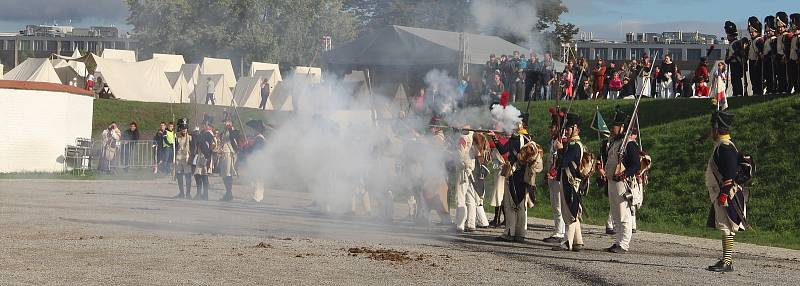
column 754, row 25
column 730, row 29
column 722, row 120
column 524, row 116
column 572, row 120
column 183, row 123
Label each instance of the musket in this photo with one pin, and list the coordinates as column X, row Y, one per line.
column 634, row 115
column 562, row 125
column 470, row 129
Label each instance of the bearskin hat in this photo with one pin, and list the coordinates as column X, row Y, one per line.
column 795, row 20
column 769, row 23
column 781, row 19
column 754, row 25
column 730, row 29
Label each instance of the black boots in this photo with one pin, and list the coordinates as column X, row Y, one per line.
column 228, row 181
column 187, row 178
column 202, row 187
column 721, row 266
column 498, row 213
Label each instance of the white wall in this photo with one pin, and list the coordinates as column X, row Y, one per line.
column 37, row 125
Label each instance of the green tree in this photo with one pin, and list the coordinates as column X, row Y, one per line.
column 283, row 31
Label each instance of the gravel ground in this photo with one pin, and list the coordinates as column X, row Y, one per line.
column 130, row 232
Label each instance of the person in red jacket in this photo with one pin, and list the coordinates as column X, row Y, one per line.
column 701, row 78
column 598, row 78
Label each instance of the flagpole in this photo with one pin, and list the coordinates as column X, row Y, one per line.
column 596, row 113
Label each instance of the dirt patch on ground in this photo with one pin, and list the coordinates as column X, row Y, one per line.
column 386, row 254
column 263, row 245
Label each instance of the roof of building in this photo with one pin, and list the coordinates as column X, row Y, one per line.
column 399, row 45
column 45, row 86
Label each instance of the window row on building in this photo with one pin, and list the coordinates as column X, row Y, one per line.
column 685, row 53
column 63, row 45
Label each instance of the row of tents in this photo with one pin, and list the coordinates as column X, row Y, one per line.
column 164, row 78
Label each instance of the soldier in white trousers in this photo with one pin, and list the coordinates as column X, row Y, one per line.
column 524, row 161
column 466, row 197
column 554, row 186
column 624, row 164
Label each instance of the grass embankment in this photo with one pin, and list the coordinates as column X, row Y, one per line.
column 148, row 114
column 676, row 201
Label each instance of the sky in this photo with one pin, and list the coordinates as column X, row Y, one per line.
column 607, row 19
column 611, row 19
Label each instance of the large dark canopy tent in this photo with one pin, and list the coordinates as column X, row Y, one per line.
column 398, row 54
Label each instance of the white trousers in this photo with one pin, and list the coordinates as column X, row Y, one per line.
column 621, row 213
column 573, row 235
column 516, row 216
column 480, row 214
column 469, row 206
column 258, row 189
column 555, row 204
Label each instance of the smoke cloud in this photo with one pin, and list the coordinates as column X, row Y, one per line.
column 514, row 17
column 337, row 147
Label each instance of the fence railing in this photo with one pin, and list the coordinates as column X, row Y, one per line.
column 134, row 154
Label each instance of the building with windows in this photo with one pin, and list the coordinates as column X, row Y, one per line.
column 44, row 40
column 686, row 48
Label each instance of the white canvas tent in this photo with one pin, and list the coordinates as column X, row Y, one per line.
column 248, row 93
column 57, row 63
column 315, row 74
column 191, row 75
column 66, row 74
column 170, row 62
column 190, row 72
column 258, row 66
column 139, row 81
column 281, row 98
column 127, row 56
column 34, row 69
column 76, row 69
column 222, row 94
column 179, row 86
column 1, row 71
column 221, row 67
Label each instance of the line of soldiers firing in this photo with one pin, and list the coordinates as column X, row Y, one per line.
column 622, row 169
column 771, row 56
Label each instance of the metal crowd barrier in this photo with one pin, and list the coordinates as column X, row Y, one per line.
column 78, row 157
column 134, row 154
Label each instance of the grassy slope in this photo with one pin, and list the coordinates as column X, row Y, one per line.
column 148, row 115
column 676, row 200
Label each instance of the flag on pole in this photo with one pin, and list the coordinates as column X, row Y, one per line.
column 599, row 125
column 720, row 98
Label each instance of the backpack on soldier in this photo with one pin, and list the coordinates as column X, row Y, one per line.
column 588, row 160
column 747, row 169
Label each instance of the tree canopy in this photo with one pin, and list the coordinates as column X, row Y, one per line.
column 289, row 31
column 285, row 31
